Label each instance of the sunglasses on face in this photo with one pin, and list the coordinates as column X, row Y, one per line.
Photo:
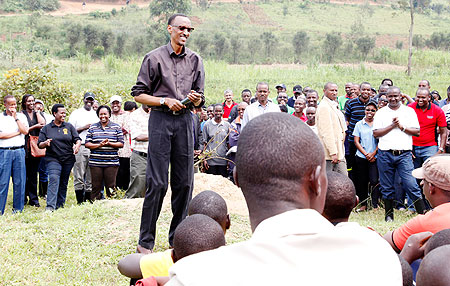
column 184, row 28
column 371, row 110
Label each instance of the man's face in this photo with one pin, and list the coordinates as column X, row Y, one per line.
column 11, row 104
column 262, row 93
column 354, row 91
column 297, row 94
column 115, row 106
column 180, row 31
column 299, row 105
column 311, row 99
column 366, row 91
column 246, row 96
column 38, row 106
column 422, row 98
column 228, row 97
column 311, row 114
column 348, row 87
column 331, row 91
column 382, row 101
column 383, row 90
column 424, row 84
column 218, row 112
column 280, row 89
column 306, row 90
column 394, row 97
column 210, row 112
column 88, row 102
column 282, row 98
column 241, row 109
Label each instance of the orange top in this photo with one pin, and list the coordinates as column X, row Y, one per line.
column 433, row 221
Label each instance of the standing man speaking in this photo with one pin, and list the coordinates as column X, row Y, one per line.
column 168, row 75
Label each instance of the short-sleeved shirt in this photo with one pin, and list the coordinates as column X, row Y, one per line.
column 365, row 132
column 156, row 264
column 433, row 221
column 139, row 126
column 432, row 117
column 105, row 156
column 82, row 117
column 342, row 100
column 123, row 120
column 354, row 112
column 256, row 109
column 215, row 135
column 9, row 125
column 63, row 138
column 395, row 139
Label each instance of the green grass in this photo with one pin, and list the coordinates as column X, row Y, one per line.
column 81, row 245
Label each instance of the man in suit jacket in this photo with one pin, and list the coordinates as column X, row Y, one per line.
column 331, row 127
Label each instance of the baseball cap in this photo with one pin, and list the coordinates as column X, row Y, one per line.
column 298, row 88
column 374, row 103
column 38, row 101
column 435, row 170
column 280, row 85
column 89, row 95
column 115, row 98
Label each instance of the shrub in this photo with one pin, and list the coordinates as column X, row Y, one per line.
column 331, row 45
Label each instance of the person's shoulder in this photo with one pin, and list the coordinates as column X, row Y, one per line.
column 190, row 53
column 21, row 116
column 114, row 125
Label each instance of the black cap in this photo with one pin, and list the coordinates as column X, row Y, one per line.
column 298, row 88
column 280, row 85
column 372, row 102
column 89, row 95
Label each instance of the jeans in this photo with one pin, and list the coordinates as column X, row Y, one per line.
column 387, row 164
column 12, row 164
column 43, row 172
column 422, row 153
column 58, row 175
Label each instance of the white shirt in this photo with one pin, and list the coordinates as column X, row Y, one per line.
column 298, row 247
column 256, row 109
column 48, row 118
column 8, row 125
column 139, row 126
column 395, row 139
column 81, row 117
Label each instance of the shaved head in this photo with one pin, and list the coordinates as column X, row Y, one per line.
column 211, row 204
column 434, row 268
column 341, row 197
column 438, row 239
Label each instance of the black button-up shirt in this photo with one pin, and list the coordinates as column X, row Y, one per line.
column 163, row 73
column 63, row 137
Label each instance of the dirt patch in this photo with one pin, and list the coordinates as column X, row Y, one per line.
column 257, row 15
column 76, row 7
column 389, row 40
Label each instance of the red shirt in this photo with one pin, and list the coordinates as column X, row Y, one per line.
column 429, row 119
column 303, row 117
column 227, row 110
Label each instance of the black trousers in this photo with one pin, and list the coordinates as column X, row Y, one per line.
column 218, row 170
column 172, row 141
column 364, row 173
column 123, row 174
column 32, row 167
column 350, row 158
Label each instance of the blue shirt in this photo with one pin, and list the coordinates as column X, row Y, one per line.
column 365, row 133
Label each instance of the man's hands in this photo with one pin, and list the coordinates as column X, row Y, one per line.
column 371, row 156
column 174, row 104
column 195, row 97
column 47, row 142
column 334, row 159
column 415, row 246
column 13, row 111
column 105, row 142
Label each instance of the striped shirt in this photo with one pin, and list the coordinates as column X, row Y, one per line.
column 354, row 112
column 105, row 156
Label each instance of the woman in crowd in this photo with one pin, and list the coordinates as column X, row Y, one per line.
column 62, row 142
column 36, row 121
column 104, row 139
column 365, row 167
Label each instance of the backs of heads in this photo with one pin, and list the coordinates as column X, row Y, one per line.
column 434, row 268
column 196, row 233
column 341, row 197
column 438, row 239
column 407, row 273
column 275, row 153
column 211, row 204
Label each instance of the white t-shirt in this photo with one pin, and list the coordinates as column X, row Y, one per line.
column 8, row 125
column 395, row 139
column 81, row 117
column 256, row 109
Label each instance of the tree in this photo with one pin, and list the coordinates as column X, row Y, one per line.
column 107, row 39
column 300, row 42
column 269, row 40
column 120, row 44
column 164, row 8
column 365, row 45
column 235, row 48
column 73, row 33
column 220, row 45
column 202, row 43
column 91, row 36
column 331, row 45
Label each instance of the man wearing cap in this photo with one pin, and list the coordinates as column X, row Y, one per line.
column 281, row 87
column 394, row 126
column 297, row 92
column 81, row 119
column 13, row 128
column 169, row 75
column 262, row 106
column 435, row 176
column 120, row 117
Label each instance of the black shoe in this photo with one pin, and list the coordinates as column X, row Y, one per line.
column 389, row 210
column 389, row 218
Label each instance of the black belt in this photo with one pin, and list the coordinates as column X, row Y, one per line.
column 143, row 154
column 12, row 148
column 167, row 110
column 397, row 152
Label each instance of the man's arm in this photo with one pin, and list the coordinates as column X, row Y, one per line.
column 151, row 100
column 4, row 135
column 388, row 238
column 383, row 131
column 141, row 138
column 443, row 134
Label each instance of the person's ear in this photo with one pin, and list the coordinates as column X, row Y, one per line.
column 235, row 177
column 174, row 256
column 315, row 182
column 228, row 222
column 356, row 201
column 169, row 29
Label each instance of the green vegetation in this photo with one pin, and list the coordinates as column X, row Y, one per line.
column 28, row 5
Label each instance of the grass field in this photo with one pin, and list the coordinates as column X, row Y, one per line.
column 81, row 245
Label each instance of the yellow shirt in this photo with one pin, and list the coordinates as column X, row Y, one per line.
column 156, row 264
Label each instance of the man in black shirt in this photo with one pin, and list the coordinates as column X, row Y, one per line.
column 168, row 75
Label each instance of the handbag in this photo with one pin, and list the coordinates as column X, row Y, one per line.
column 35, row 150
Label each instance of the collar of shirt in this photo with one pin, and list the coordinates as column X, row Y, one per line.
column 302, row 221
column 428, row 107
column 54, row 125
column 215, row 123
column 172, row 52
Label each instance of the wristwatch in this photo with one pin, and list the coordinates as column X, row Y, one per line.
column 441, row 149
column 162, row 101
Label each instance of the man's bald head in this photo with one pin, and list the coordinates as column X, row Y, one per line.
column 341, row 197
column 437, row 240
column 434, row 268
column 211, row 204
column 277, row 167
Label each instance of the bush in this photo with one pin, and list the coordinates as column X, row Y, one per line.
column 331, row 45
column 98, row 52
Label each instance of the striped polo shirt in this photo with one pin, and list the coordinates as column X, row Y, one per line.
column 354, row 112
column 105, row 156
